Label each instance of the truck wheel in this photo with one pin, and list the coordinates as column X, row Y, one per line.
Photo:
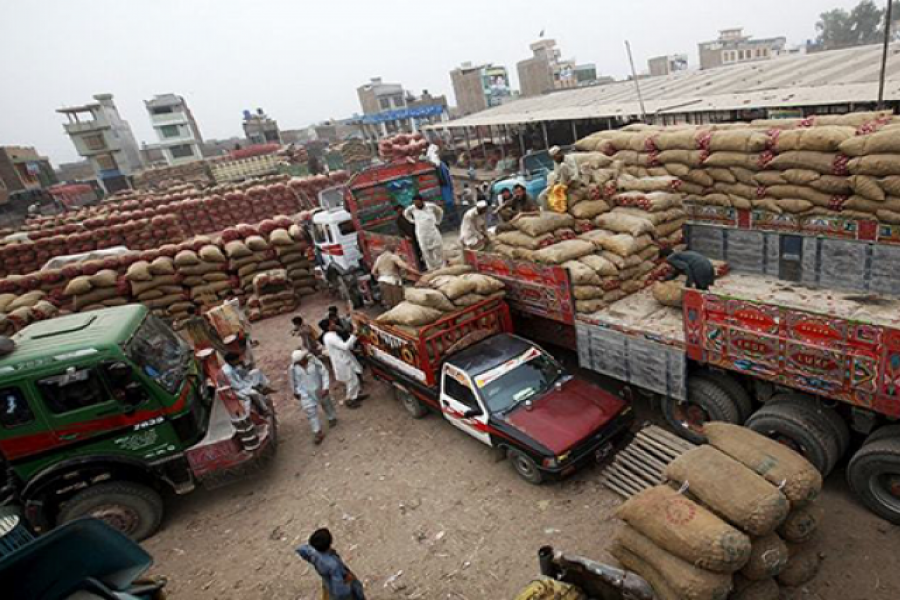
column 706, row 401
column 412, row 404
column 800, row 430
column 134, row 509
column 874, row 476
column 525, row 467
column 887, row 431
column 816, row 410
column 739, row 396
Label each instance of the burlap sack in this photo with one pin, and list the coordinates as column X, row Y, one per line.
column 744, row 141
column 601, row 265
column 164, row 302
column 833, row 185
column 686, row 580
column 820, row 162
column 237, row 249
column 139, row 287
column 624, row 245
column 257, row 243
column 139, row 271
column 484, row 284
column 546, row 222
column 280, row 237
column 95, row 296
column 589, row 209
column 428, row 298
column 779, row 465
column 794, row 206
column 201, row 269
column 470, row 300
column 669, row 293
column 722, row 175
column 768, row 204
column 729, row 488
column 248, row 270
column 624, row 223
column 410, row 315
column 186, row 258
column 765, row 178
column 562, row 252
column 686, row 529
column 768, row 558
column 798, row 177
column 162, row 265
column 634, row 563
column 28, row 300
column 104, row 279
column 589, row 306
column 690, row 158
column 426, row 279
column 150, row 295
column 891, row 185
column 517, row 239
column 212, row 254
column 734, row 159
column 882, row 142
column 453, row 286
column 802, row 566
column 522, row 254
column 888, row 216
column 579, row 273
column 876, row 165
column 867, row 187
column 667, row 229
column 587, row 292
column 766, row 589
column 6, row 300
column 816, row 139
column 78, row 286
column 699, row 177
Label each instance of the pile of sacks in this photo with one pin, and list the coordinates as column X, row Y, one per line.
column 440, row 293
column 272, row 295
column 736, row 521
column 204, row 274
column 19, row 311
column 247, row 258
column 841, row 166
column 156, row 285
column 100, row 290
column 292, row 253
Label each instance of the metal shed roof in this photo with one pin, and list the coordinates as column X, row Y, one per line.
column 823, row 78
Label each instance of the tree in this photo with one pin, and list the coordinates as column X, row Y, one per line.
column 868, row 23
column 864, row 24
column 835, row 29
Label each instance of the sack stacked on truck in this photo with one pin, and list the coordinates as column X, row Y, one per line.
column 589, row 195
column 272, row 295
column 155, row 284
column 204, row 273
column 292, row 252
column 100, row 290
column 531, row 233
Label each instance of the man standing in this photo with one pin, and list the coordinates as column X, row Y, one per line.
column 250, row 386
column 346, row 368
column 699, row 270
column 309, row 383
column 338, row 581
column 426, row 217
column 564, row 176
column 387, row 270
column 468, row 196
column 408, row 231
column 473, row 233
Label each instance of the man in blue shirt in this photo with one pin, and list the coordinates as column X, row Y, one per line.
column 337, row 579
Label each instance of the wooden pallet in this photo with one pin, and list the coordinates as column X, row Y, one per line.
column 641, row 464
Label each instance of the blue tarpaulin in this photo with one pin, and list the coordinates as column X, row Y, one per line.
column 406, row 113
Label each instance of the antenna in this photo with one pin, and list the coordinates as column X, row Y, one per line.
column 888, row 21
column 637, row 84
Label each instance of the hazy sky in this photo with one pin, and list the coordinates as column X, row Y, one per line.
column 302, row 60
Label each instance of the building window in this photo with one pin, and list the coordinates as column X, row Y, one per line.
column 183, row 151
column 170, row 131
column 163, row 110
column 94, row 141
column 384, row 103
column 106, row 162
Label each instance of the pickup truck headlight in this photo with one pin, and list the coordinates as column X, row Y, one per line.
column 550, row 463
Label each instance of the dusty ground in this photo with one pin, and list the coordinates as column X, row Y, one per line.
column 419, row 510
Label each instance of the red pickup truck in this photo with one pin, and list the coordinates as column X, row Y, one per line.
column 499, row 388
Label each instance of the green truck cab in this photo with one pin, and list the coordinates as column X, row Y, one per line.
column 103, row 412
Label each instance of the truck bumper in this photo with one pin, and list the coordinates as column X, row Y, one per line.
column 612, row 438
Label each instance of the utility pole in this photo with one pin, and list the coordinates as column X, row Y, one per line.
column 888, row 21
column 637, row 84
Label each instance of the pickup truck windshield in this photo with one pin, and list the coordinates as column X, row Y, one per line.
column 539, row 162
column 159, row 353
column 519, row 380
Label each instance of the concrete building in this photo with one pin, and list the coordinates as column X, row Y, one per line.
column 260, row 128
column 75, row 171
column 546, row 71
column 179, row 137
column 22, row 168
column 377, row 96
column 478, row 87
column 103, row 137
column 586, row 74
column 734, row 47
column 388, row 109
column 666, row 65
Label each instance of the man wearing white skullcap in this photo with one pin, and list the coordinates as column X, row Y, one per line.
column 309, row 382
column 473, row 232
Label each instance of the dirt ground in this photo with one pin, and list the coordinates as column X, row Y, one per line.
column 420, row 510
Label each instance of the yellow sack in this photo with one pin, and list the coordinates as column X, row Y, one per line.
column 558, row 199
column 548, row 589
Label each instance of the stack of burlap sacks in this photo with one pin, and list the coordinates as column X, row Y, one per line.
column 247, row 258
column 204, row 274
column 156, row 285
column 292, row 253
column 846, row 166
column 735, row 521
column 100, row 290
column 19, row 311
column 272, row 295
column 441, row 293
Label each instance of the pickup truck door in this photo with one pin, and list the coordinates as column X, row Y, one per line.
column 457, row 398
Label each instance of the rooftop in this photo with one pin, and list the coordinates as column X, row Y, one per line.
column 818, row 79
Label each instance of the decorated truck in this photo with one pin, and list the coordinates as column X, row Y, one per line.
column 499, row 388
column 105, row 411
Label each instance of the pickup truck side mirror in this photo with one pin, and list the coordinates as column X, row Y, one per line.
column 472, row 413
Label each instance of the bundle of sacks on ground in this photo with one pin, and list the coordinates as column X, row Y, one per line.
column 17, row 312
column 292, row 252
column 272, row 295
column 100, row 290
column 737, row 520
column 616, row 258
column 155, row 284
column 249, row 254
column 840, row 166
column 204, row 273
column 440, row 293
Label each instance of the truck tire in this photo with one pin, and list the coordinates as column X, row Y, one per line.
column 738, row 394
column 874, row 476
column 706, row 401
column 801, row 431
column 887, row 431
column 525, row 467
column 134, row 509
column 413, row 405
column 816, row 410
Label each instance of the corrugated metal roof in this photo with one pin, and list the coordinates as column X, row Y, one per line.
column 835, row 77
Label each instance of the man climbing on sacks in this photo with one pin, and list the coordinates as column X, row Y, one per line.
column 699, row 270
column 309, row 382
column 388, row 270
column 426, row 217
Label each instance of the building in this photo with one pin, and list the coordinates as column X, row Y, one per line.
column 586, row 74
column 179, row 137
column 103, row 137
column 213, row 148
column 75, row 171
column 666, row 65
column 479, row 87
column 260, row 128
column 734, row 47
column 388, row 109
column 545, row 71
column 22, row 168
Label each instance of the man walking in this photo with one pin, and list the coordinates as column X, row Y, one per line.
column 346, row 368
column 426, row 217
column 309, row 382
column 309, row 337
column 338, row 581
